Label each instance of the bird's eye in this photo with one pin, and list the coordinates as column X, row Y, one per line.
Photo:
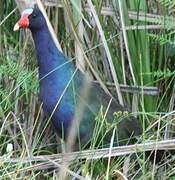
column 34, row 16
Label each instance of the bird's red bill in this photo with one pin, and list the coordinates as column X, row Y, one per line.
column 24, row 20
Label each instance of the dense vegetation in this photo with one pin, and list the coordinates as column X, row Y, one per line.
column 139, row 35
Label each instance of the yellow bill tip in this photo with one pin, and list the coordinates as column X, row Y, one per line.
column 16, row 27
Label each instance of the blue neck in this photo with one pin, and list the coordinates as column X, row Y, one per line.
column 49, row 57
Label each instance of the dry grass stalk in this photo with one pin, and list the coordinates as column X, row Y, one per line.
column 103, row 39
column 71, row 140
column 80, row 63
column 99, row 153
column 41, row 7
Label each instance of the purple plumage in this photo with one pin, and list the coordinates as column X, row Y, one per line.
column 56, row 95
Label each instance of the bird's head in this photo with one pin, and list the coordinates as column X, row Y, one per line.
column 31, row 18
